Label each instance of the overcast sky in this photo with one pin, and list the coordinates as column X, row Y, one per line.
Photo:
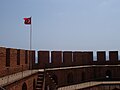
column 61, row 24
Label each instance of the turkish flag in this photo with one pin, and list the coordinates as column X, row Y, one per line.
column 27, row 20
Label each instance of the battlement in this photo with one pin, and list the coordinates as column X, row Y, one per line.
column 64, row 67
column 76, row 58
column 15, row 60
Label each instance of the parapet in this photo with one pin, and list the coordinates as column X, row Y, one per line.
column 75, row 58
column 15, row 60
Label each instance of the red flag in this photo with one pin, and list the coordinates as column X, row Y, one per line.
column 27, row 20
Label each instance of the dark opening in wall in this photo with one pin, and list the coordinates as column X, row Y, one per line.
column 18, row 57
column 108, row 75
column 55, row 78
column 34, row 84
column 26, row 57
column 24, row 86
column 7, row 57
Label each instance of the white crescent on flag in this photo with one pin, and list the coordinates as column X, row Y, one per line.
column 27, row 20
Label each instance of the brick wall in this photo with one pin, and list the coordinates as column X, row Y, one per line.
column 18, row 85
column 101, row 57
column 3, row 69
column 78, row 58
column 43, row 58
column 15, row 60
column 32, row 59
column 87, row 58
column 83, row 74
column 56, row 58
column 67, row 58
column 113, row 57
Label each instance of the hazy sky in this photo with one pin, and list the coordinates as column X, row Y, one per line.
column 61, row 24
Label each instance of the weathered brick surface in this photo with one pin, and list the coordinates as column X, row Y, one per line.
column 13, row 58
column 103, row 87
column 12, row 55
column 43, row 58
column 2, row 58
column 78, row 58
column 101, row 57
column 87, row 57
column 56, row 58
column 23, row 65
column 67, row 58
column 22, row 57
column 27, row 59
column 9, row 57
column 113, row 57
column 82, row 74
column 32, row 63
column 18, row 85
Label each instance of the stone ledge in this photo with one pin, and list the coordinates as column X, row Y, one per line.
column 17, row 76
column 87, row 84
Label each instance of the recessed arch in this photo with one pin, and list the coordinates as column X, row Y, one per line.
column 108, row 74
column 55, row 78
column 24, row 86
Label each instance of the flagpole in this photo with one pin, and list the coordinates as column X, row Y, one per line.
column 31, row 35
column 28, row 21
column 31, row 44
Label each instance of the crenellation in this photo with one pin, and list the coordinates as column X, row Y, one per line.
column 2, row 57
column 67, row 58
column 2, row 61
column 43, row 58
column 25, row 59
column 78, row 58
column 87, row 58
column 65, row 68
column 56, row 58
column 13, row 60
column 101, row 57
column 31, row 58
column 113, row 57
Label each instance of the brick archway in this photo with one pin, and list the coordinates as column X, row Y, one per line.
column 55, row 78
column 24, row 86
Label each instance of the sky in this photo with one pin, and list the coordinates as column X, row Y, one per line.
column 75, row 25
